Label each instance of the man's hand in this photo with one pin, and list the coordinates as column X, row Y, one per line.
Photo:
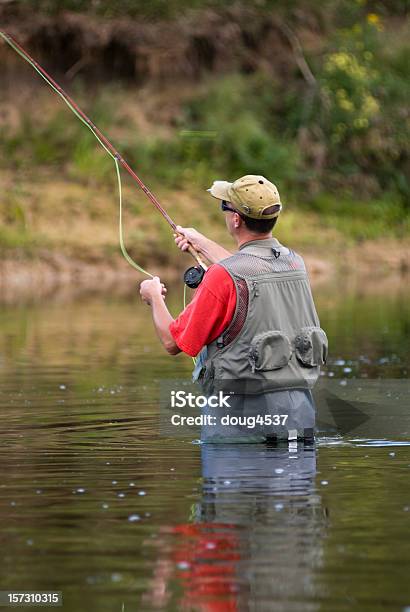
column 150, row 289
column 212, row 251
column 189, row 236
column 153, row 293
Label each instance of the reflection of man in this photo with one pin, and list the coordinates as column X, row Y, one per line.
column 254, row 535
column 253, row 317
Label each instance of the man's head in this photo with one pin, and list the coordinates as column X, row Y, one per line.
column 251, row 205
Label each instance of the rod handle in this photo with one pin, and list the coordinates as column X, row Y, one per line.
column 194, row 253
column 197, row 257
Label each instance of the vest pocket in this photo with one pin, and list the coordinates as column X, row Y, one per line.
column 270, row 351
column 311, row 346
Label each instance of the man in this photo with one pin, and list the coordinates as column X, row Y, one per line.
column 252, row 320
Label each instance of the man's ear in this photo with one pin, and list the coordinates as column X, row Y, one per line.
column 237, row 220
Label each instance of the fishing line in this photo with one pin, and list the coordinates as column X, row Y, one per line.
column 32, row 63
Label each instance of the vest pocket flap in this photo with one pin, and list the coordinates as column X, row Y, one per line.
column 270, row 351
column 311, row 346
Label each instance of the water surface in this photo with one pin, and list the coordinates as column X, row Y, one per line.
column 93, row 502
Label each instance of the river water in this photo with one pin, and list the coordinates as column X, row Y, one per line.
column 96, row 504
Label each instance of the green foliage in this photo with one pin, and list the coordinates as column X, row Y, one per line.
column 40, row 143
column 362, row 220
column 225, row 132
column 244, row 139
column 14, row 238
column 90, row 162
column 362, row 100
column 366, row 94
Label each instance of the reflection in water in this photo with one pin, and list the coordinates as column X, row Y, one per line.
column 256, row 533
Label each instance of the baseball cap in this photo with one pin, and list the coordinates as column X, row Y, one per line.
column 251, row 195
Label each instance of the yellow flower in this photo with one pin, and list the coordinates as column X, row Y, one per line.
column 349, row 64
column 374, row 20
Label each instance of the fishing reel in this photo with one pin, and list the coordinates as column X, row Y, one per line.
column 193, row 276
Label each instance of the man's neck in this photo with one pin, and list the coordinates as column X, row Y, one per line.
column 249, row 237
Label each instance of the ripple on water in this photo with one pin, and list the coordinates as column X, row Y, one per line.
column 379, row 443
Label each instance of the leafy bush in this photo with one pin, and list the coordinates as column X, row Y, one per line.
column 225, row 132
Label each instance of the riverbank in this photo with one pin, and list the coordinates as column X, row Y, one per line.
column 60, row 233
column 375, row 265
column 59, row 236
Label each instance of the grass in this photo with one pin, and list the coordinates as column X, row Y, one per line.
column 81, row 220
column 362, row 220
column 24, row 242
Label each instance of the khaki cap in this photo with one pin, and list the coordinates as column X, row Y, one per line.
column 251, row 195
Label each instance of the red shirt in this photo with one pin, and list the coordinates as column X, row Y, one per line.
column 208, row 314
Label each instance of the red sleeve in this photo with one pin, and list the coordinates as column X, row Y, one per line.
column 208, row 314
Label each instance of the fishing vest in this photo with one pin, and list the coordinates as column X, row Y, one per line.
column 274, row 340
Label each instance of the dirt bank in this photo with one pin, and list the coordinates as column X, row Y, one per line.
column 138, row 51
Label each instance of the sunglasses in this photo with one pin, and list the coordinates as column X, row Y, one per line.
column 225, row 208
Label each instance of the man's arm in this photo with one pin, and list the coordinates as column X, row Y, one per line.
column 208, row 248
column 153, row 294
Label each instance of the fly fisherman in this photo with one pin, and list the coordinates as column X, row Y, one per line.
column 252, row 321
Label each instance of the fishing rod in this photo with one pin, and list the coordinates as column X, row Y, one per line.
column 193, row 276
